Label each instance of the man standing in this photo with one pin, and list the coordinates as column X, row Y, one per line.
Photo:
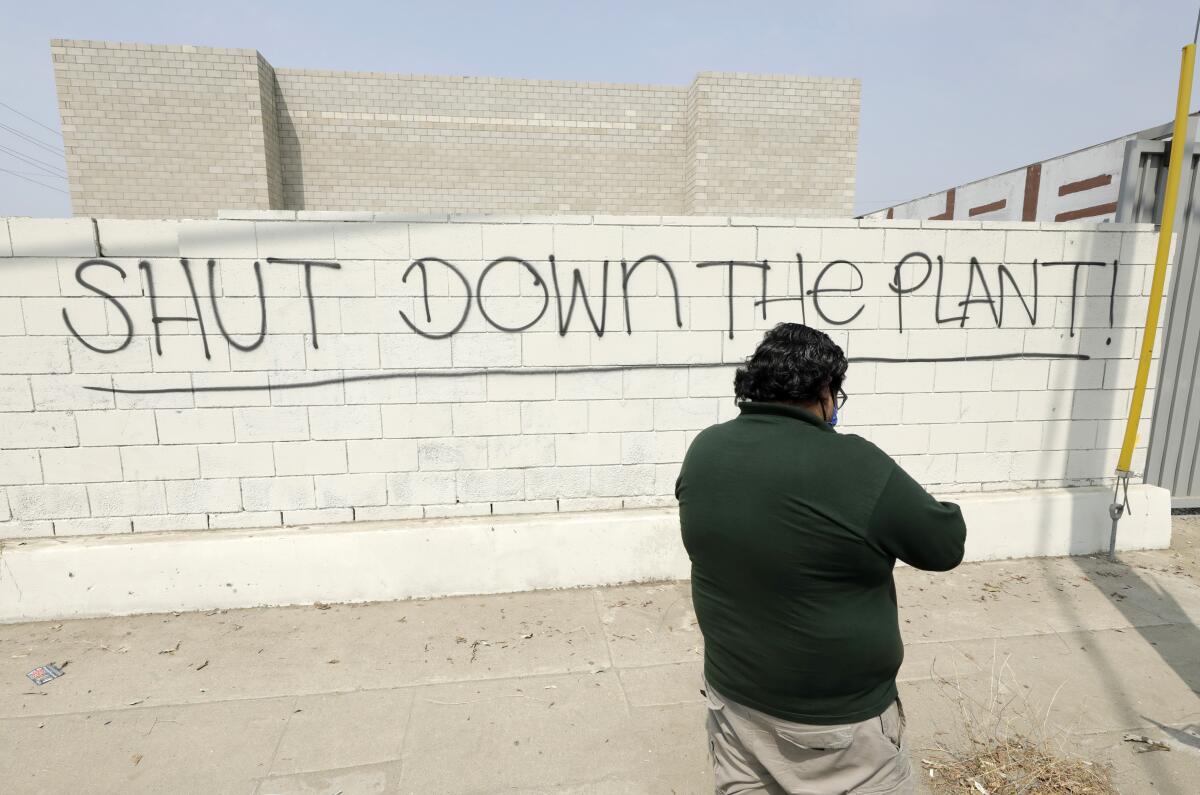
column 793, row 531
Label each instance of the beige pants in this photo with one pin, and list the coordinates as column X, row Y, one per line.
column 755, row 753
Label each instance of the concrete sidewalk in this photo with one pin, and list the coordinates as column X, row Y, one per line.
column 580, row 691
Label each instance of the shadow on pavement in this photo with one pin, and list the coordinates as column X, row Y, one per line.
column 1188, row 735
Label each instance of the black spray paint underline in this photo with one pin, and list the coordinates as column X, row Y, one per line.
column 452, row 373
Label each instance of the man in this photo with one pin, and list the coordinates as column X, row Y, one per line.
column 793, row 531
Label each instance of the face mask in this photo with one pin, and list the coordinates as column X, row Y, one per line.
column 833, row 419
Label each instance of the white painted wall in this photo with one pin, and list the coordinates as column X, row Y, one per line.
column 1106, row 158
column 486, row 422
column 915, row 210
column 1009, row 186
column 1095, row 161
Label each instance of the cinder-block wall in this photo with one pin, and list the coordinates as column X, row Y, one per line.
column 270, row 133
column 771, row 144
column 354, row 141
column 364, row 386
column 154, row 131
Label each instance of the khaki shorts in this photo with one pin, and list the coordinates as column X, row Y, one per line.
column 753, row 752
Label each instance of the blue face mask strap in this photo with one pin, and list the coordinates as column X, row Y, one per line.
column 833, row 420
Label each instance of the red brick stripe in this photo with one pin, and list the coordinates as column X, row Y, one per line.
column 988, row 208
column 948, row 215
column 1085, row 184
column 1087, row 212
column 1033, row 184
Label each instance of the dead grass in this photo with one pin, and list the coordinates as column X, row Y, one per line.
column 1006, row 746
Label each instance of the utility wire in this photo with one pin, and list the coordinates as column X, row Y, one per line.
column 30, row 118
column 35, row 174
column 34, row 181
column 36, row 142
column 29, row 160
column 30, row 157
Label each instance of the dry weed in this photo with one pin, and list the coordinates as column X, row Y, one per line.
column 1007, row 746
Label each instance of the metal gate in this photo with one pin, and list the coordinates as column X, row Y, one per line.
column 1173, row 460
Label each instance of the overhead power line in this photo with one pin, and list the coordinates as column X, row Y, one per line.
column 30, row 118
column 36, row 174
column 29, row 160
column 34, row 181
column 36, row 142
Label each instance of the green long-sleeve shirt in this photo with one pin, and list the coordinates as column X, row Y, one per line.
column 793, row 531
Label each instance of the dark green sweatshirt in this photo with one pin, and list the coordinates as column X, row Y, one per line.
column 793, row 530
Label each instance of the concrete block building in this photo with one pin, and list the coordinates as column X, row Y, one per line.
column 182, row 131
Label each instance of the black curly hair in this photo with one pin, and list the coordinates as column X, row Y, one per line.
column 792, row 364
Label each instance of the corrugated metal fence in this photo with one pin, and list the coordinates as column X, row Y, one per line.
column 1174, row 455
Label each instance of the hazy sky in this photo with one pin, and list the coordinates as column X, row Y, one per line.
column 951, row 91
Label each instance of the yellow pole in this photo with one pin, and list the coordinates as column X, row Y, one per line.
column 1178, row 145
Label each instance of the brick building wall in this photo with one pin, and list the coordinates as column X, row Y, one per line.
column 766, row 144
column 270, row 125
column 156, row 131
column 455, row 145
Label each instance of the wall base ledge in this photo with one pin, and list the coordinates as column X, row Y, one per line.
column 78, row 577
